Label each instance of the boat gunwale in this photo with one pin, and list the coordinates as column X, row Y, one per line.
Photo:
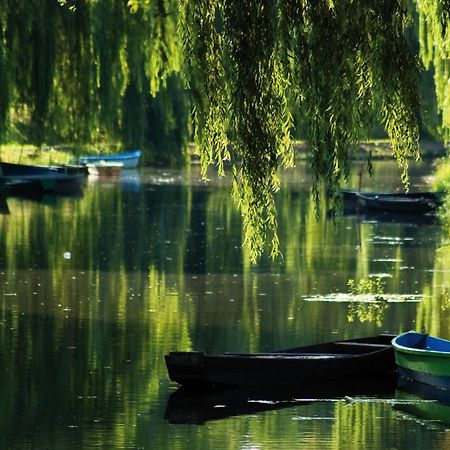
column 393, row 198
column 291, row 353
column 113, row 156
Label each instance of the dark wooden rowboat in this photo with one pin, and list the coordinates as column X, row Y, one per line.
column 352, row 195
column 313, row 363
column 395, row 202
column 21, row 177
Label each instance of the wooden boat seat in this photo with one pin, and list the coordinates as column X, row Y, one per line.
column 292, row 355
column 359, row 347
column 361, row 344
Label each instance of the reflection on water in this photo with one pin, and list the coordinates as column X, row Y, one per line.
column 156, row 264
column 198, row 407
column 426, row 404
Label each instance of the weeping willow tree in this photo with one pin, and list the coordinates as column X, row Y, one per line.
column 92, row 72
column 345, row 65
column 250, row 66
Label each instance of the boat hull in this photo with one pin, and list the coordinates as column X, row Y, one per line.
column 18, row 178
column 396, row 202
column 323, row 362
column 423, row 358
column 104, row 169
column 128, row 160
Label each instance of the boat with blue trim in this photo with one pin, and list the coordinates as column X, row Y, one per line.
column 129, row 160
column 423, row 358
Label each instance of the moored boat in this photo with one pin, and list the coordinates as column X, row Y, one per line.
column 313, row 363
column 392, row 202
column 129, row 160
column 28, row 178
column 423, row 358
column 105, row 169
column 397, row 204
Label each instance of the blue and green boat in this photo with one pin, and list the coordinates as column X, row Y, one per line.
column 423, row 358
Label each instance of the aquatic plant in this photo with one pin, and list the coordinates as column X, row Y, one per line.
column 374, row 303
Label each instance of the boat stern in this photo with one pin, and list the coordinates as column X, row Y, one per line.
column 185, row 368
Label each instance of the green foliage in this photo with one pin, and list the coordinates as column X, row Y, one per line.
column 5, row 93
column 442, row 176
column 106, row 71
column 434, row 36
column 69, row 71
column 373, row 286
column 442, row 184
column 252, row 65
column 444, row 299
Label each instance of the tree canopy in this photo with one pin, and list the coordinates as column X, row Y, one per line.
column 251, row 67
column 343, row 65
column 92, row 72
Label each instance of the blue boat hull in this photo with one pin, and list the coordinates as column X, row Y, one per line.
column 439, row 381
column 25, row 178
column 128, row 160
column 340, row 360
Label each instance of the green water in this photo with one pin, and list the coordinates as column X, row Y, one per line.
column 95, row 289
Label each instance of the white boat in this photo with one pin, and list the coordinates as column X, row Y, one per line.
column 103, row 168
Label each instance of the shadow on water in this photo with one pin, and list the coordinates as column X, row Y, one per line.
column 196, row 407
column 40, row 197
column 413, row 220
column 422, row 402
column 4, row 208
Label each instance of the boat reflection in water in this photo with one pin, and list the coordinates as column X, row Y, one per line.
column 423, row 402
column 186, row 406
column 44, row 198
column 130, row 181
column 4, row 208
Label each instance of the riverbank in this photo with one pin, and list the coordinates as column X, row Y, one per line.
column 29, row 154
column 380, row 149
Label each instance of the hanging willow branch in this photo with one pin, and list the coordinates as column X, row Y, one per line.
column 261, row 122
column 250, row 65
column 343, row 63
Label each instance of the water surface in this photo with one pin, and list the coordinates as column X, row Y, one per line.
column 96, row 288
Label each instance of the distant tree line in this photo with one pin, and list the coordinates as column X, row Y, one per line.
column 95, row 74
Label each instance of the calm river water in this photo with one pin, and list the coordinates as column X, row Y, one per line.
column 96, row 288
